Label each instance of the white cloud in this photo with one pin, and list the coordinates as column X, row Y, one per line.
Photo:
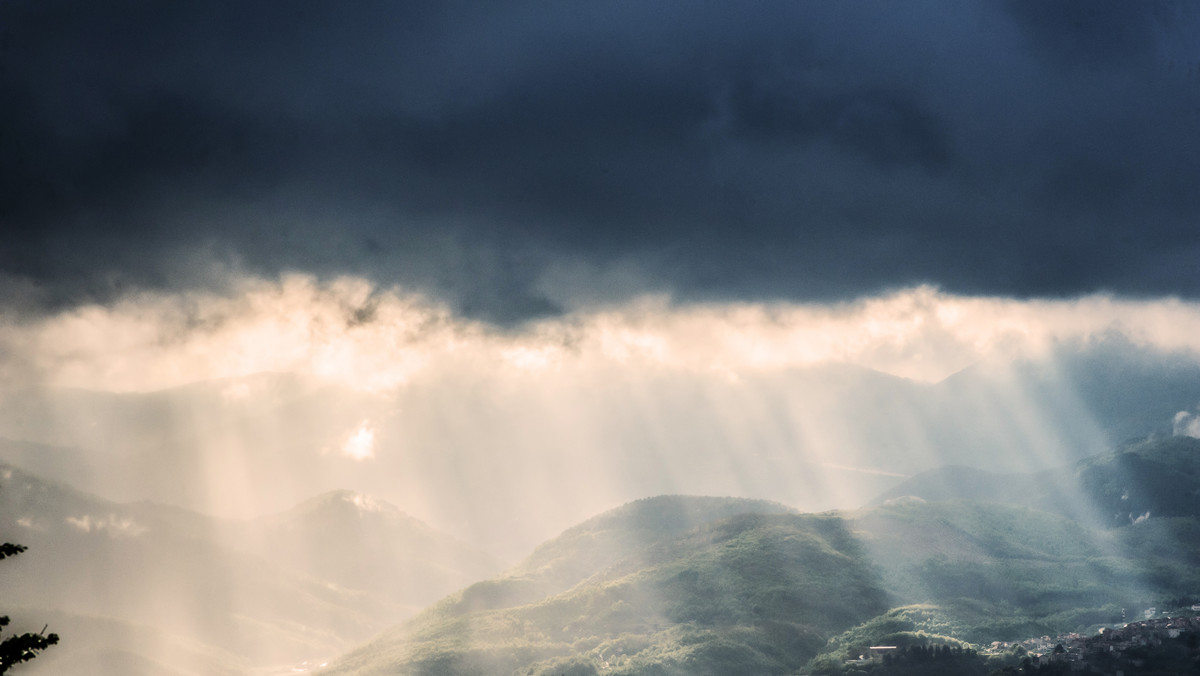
column 298, row 324
column 111, row 524
column 1187, row 424
column 366, row 503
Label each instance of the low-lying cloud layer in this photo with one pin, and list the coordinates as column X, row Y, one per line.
column 352, row 333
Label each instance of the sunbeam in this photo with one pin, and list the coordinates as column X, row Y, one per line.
column 820, row 406
column 249, row 403
column 596, row 339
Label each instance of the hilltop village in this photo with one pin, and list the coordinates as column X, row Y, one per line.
column 1128, row 649
column 1156, row 646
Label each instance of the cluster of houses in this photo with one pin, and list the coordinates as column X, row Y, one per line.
column 1114, row 650
column 1110, row 643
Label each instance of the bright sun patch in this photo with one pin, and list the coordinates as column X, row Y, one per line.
column 361, row 444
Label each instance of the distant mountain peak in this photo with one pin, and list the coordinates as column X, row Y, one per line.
column 345, row 500
column 368, row 503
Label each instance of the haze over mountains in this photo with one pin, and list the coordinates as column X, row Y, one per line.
column 448, row 450
column 693, row 585
column 144, row 588
column 295, row 569
column 706, row 586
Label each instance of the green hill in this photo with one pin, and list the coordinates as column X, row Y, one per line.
column 676, row 585
column 997, row 572
column 627, row 533
column 747, row 593
column 1150, row 479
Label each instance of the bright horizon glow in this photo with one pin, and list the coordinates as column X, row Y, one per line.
column 351, row 333
column 361, row 444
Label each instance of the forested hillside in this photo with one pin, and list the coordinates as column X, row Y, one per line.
column 751, row 593
column 681, row 585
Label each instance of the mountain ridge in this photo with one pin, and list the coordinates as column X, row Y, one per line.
column 1138, row 480
column 243, row 599
column 702, row 598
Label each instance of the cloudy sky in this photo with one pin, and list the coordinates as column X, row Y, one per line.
column 526, row 159
column 586, row 210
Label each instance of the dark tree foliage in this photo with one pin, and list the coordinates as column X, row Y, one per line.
column 930, row 660
column 8, row 549
column 22, row 647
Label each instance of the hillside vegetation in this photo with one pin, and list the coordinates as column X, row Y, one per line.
column 681, row 585
column 750, row 593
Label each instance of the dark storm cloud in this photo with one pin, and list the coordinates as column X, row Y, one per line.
column 1095, row 33
column 790, row 150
